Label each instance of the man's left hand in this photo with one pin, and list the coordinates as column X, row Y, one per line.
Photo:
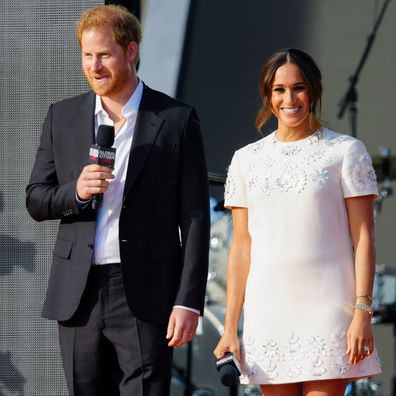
column 181, row 327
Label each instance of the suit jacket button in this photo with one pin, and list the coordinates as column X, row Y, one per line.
column 90, row 245
column 124, row 240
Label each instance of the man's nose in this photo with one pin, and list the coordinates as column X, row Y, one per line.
column 96, row 64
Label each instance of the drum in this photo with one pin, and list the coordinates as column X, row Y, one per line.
column 220, row 241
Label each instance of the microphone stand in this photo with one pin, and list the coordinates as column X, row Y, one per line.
column 187, row 377
column 350, row 99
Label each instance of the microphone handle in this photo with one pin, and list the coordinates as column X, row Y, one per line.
column 95, row 201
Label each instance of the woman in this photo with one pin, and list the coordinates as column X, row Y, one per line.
column 302, row 257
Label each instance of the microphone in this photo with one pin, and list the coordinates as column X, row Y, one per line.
column 102, row 153
column 228, row 369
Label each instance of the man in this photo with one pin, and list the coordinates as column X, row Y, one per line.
column 127, row 282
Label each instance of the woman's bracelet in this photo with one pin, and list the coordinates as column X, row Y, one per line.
column 366, row 296
column 364, row 307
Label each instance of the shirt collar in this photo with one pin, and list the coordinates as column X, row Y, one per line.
column 132, row 106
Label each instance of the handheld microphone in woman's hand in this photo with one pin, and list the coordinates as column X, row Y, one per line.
column 228, row 369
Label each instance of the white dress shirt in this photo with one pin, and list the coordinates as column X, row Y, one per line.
column 106, row 246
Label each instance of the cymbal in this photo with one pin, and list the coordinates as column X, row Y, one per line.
column 381, row 163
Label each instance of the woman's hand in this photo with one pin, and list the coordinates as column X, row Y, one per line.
column 228, row 343
column 360, row 341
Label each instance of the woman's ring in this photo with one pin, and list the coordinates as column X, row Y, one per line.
column 366, row 348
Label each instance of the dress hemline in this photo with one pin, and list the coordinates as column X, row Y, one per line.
column 244, row 381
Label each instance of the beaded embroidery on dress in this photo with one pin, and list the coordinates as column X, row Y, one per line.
column 300, row 289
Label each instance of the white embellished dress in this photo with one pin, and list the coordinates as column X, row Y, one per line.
column 301, row 285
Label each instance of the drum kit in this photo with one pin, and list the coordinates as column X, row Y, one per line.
column 194, row 364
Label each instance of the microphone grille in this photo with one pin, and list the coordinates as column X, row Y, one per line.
column 105, row 136
column 229, row 375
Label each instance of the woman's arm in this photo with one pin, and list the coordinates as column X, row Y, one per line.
column 361, row 223
column 237, row 272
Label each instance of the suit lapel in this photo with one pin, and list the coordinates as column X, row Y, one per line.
column 148, row 125
column 83, row 124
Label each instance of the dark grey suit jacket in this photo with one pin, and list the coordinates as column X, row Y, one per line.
column 166, row 190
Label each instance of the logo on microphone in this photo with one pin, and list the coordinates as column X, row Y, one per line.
column 101, row 156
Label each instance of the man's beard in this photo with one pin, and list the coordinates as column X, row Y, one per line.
column 114, row 83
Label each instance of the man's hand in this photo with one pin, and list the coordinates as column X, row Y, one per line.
column 93, row 180
column 181, row 327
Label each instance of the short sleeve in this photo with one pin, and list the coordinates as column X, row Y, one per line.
column 235, row 190
column 357, row 174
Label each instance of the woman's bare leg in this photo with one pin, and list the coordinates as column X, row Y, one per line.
column 294, row 389
column 325, row 387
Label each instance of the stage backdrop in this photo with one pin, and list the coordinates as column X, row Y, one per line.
column 228, row 41
column 39, row 64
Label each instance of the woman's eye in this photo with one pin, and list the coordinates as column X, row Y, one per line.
column 278, row 89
